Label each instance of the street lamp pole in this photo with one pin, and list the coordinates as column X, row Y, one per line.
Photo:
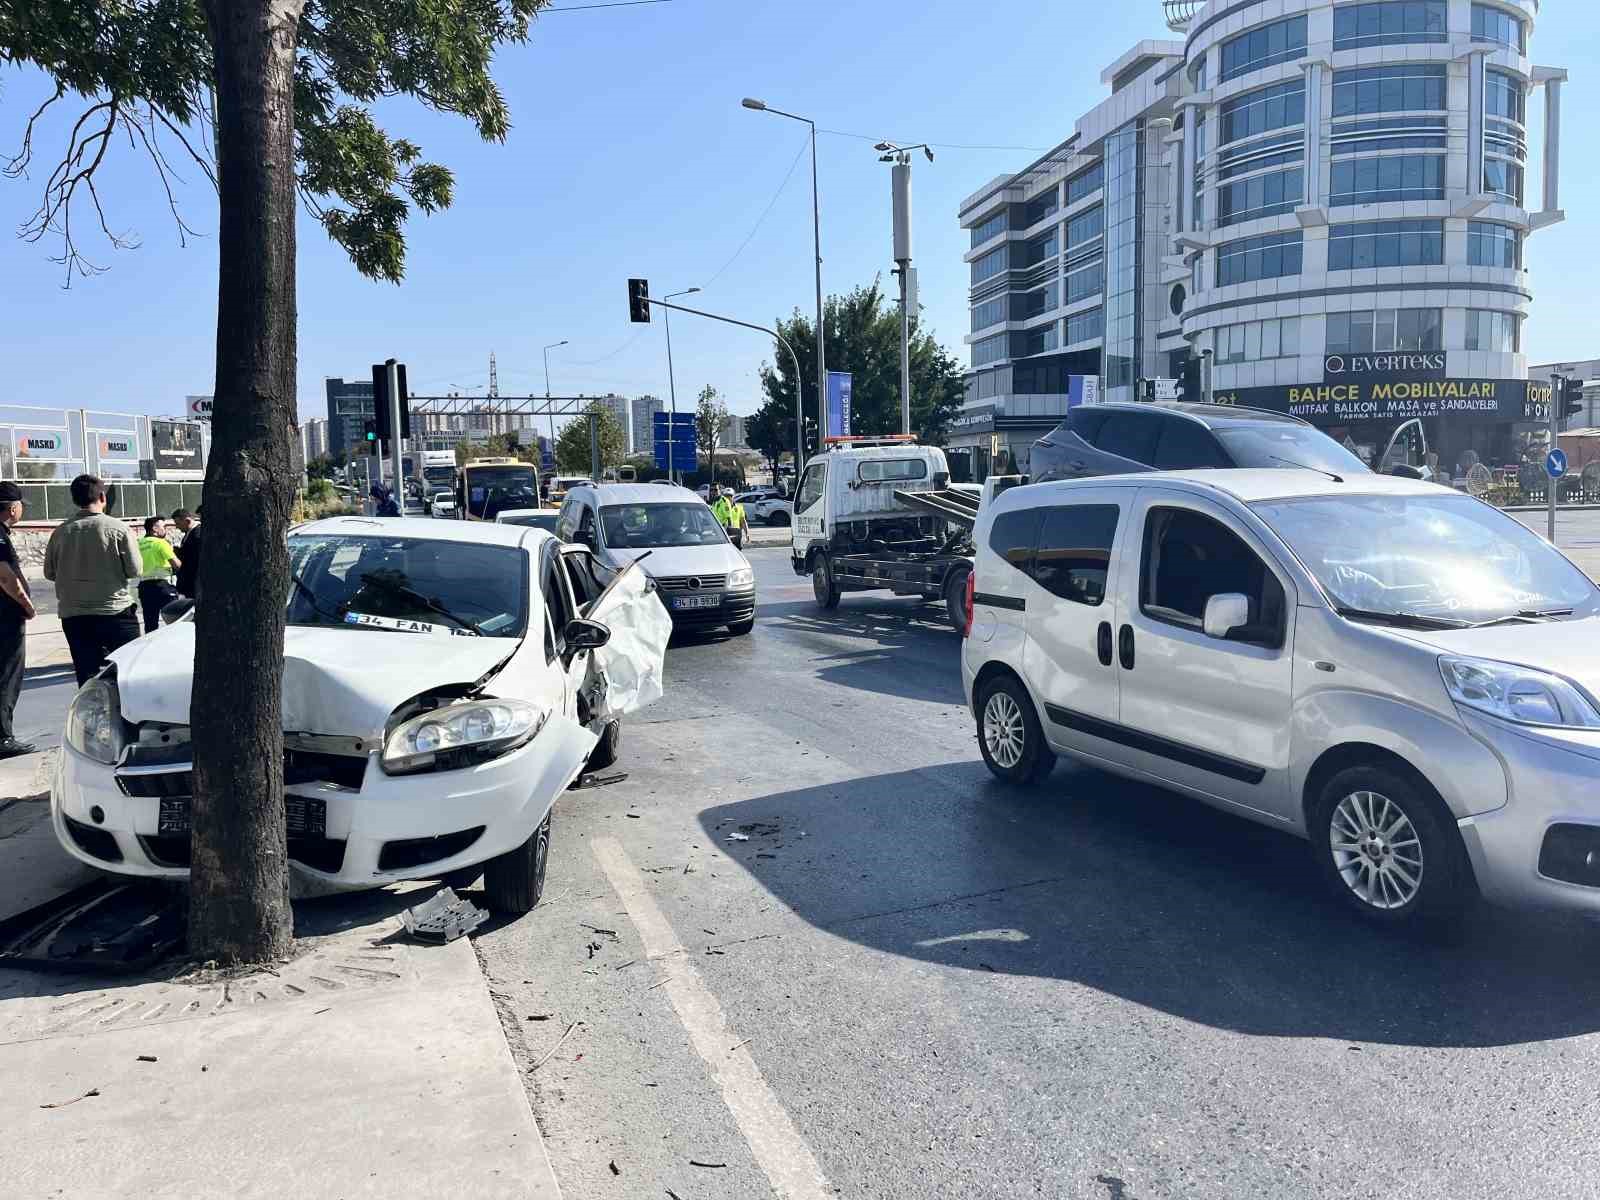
column 816, row 234
column 672, row 383
column 549, row 412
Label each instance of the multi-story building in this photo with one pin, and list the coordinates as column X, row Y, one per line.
column 733, row 434
column 349, row 409
column 1326, row 198
column 618, row 407
column 1588, row 370
column 314, row 438
column 642, row 438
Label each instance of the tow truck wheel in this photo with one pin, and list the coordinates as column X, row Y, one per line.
column 823, row 585
column 513, row 882
column 955, row 599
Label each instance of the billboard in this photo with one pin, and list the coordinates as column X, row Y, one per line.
column 41, row 445
column 839, row 392
column 114, row 446
column 176, row 450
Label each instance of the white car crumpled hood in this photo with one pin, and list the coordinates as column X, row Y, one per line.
column 335, row 681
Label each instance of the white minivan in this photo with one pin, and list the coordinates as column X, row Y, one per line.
column 1393, row 670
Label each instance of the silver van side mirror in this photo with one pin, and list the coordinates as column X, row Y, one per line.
column 1225, row 612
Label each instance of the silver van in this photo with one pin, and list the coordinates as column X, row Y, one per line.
column 1393, row 670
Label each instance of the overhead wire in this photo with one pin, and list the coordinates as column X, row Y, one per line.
column 762, row 218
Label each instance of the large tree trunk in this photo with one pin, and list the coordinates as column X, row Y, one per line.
column 239, row 886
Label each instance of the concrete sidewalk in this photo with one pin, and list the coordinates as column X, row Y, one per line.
column 366, row 1067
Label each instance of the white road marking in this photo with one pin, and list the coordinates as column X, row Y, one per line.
column 778, row 1147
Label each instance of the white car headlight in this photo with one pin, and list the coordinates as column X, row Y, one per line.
column 94, row 721
column 461, row 735
column 1517, row 693
column 744, row 577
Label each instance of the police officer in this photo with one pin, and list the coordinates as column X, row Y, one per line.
column 729, row 514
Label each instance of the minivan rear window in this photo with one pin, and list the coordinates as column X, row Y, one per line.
column 1013, row 536
column 1074, row 552
column 882, row 470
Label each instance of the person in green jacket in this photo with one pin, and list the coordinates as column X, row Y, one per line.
column 729, row 514
column 156, row 589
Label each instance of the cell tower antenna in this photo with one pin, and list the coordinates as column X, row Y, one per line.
column 494, row 376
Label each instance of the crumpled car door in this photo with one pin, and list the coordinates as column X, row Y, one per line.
column 627, row 673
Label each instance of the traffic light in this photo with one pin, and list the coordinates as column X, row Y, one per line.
column 1191, row 379
column 639, row 301
column 1571, row 399
column 380, row 400
column 369, row 436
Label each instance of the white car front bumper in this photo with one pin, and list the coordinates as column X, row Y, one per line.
column 392, row 828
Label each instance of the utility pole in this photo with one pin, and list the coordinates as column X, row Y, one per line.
column 1205, row 375
column 396, row 449
column 1555, row 441
column 902, row 257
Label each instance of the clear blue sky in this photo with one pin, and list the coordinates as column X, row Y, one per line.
column 630, row 155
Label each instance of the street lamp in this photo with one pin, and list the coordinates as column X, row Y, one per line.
column 672, row 383
column 549, row 412
column 816, row 234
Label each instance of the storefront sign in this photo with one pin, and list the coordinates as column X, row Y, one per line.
column 1388, row 398
column 200, row 406
column 839, row 389
column 1409, row 365
column 973, row 420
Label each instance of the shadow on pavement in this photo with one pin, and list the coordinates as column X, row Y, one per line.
column 1150, row 897
column 914, row 638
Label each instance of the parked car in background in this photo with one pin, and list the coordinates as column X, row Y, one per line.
column 704, row 580
column 767, row 510
column 442, row 503
column 1119, row 438
column 537, row 518
column 1397, row 672
column 443, row 684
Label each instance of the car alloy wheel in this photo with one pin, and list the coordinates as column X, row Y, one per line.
column 1376, row 850
column 1002, row 729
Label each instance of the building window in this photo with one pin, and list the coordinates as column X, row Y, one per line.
column 1491, row 245
column 1493, row 331
column 1090, row 281
column 1032, row 304
column 1085, row 183
column 990, row 349
column 1282, row 41
column 1380, row 331
column 1498, row 26
column 1253, row 341
column 1260, row 196
column 1385, row 244
column 1085, row 327
column 990, row 265
column 1271, row 256
column 990, row 312
column 993, row 227
column 1503, row 179
column 1197, row 73
column 1391, row 22
column 1036, row 341
column 1503, row 96
column 1276, row 107
column 1085, row 226
column 1041, row 248
column 1409, row 87
column 1392, row 177
column 1039, row 208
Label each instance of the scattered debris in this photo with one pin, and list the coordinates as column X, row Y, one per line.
column 74, row 1100
column 102, row 927
column 593, row 946
column 594, row 781
column 625, row 965
column 319, row 1012
column 554, row 1048
column 746, row 1042
column 204, row 1068
column 738, row 837
column 739, row 942
column 695, row 1162
column 762, row 828
column 672, row 1195
column 659, row 982
column 633, row 816
column 540, row 1016
column 766, row 856
column 615, row 1170
column 443, row 917
column 714, row 950
column 147, row 1058
column 611, row 933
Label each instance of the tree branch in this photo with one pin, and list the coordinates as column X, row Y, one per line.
column 18, row 164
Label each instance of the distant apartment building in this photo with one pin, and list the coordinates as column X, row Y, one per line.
column 617, row 406
column 314, row 438
column 349, row 409
column 642, row 437
column 733, row 434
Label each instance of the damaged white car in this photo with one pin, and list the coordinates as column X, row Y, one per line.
column 443, row 684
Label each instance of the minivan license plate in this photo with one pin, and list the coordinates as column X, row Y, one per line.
column 707, row 601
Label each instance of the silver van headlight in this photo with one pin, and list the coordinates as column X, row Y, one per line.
column 461, row 735
column 94, row 721
column 1517, row 693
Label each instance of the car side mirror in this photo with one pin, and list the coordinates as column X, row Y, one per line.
column 175, row 610
column 1225, row 612
column 584, row 634
column 1405, row 472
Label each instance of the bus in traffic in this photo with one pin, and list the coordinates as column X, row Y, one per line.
column 490, row 485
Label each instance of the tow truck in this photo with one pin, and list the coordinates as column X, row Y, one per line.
column 881, row 514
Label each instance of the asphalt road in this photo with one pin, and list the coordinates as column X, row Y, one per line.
column 918, row 983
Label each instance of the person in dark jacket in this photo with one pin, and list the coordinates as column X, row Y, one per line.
column 383, row 496
column 188, row 524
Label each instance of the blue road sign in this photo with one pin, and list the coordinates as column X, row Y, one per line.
column 681, row 438
column 1555, row 464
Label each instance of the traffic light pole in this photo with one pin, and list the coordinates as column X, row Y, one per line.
column 396, row 450
column 799, row 408
column 1557, row 400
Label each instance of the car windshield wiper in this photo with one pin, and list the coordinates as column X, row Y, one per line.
column 316, row 603
column 432, row 606
column 1525, row 614
column 1401, row 620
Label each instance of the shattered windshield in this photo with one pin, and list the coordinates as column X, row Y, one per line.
column 639, row 526
column 407, row 585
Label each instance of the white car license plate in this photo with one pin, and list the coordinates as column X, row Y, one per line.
column 711, row 600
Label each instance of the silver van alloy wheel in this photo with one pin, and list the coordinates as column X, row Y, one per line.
column 1002, row 730
column 1376, row 850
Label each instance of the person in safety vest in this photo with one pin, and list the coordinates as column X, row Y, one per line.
column 729, row 514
